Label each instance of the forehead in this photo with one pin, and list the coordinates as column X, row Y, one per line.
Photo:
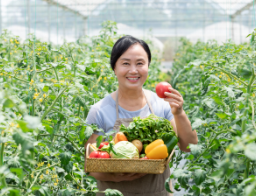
column 135, row 50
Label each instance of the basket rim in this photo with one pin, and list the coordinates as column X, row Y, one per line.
column 166, row 160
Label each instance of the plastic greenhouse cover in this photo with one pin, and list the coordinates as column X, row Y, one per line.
column 229, row 7
column 83, row 7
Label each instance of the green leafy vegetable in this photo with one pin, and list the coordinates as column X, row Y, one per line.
column 147, row 129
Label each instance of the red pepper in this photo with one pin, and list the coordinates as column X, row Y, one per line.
column 103, row 144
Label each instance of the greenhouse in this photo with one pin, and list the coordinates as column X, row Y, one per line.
column 127, row 97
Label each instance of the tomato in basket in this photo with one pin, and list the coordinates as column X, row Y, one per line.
column 97, row 154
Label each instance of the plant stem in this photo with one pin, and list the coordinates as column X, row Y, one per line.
column 44, row 70
column 208, row 146
column 246, row 106
column 79, row 106
column 65, row 137
column 230, row 74
column 49, row 109
column 253, row 123
column 1, row 164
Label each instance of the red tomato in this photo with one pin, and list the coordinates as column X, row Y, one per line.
column 97, row 154
column 94, row 154
column 144, row 157
column 161, row 88
column 104, row 155
column 103, row 144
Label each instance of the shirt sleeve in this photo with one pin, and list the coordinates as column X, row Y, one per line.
column 167, row 111
column 94, row 117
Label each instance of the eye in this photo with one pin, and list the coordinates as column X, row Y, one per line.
column 125, row 63
column 140, row 63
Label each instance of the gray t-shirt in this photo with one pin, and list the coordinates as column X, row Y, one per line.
column 103, row 113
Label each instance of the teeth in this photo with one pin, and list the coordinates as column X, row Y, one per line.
column 133, row 78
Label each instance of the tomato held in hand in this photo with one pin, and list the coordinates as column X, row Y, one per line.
column 97, row 154
column 161, row 88
column 103, row 144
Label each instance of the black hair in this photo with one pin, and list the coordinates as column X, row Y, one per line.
column 123, row 44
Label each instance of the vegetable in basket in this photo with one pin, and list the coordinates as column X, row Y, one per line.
column 147, row 129
column 156, row 150
column 125, row 150
column 170, row 140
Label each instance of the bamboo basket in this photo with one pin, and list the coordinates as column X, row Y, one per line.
column 148, row 166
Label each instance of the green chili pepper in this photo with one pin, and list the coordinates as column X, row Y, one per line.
column 170, row 140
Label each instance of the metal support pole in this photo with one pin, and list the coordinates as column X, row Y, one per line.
column 232, row 28
column 85, row 26
column 28, row 16
column 63, row 24
column 49, row 22
column 240, row 28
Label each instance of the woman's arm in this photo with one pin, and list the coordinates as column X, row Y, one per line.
column 182, row 126
column 180, row 123
column 114, row 177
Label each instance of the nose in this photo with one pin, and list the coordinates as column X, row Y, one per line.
column 133, row 69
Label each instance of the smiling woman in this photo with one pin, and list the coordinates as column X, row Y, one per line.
column 130, row 60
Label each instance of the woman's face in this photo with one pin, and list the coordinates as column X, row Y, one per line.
column 131, row 68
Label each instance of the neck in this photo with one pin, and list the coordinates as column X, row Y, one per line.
column 130, row 95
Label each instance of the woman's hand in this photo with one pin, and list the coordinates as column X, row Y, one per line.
column 175, row 100
column 118, row 177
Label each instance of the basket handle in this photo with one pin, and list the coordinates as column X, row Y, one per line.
column 87, row 150
column 169, row 158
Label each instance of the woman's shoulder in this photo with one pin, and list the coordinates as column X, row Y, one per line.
column 107, row 101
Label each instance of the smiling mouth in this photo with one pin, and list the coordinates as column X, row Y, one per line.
column 133, row 79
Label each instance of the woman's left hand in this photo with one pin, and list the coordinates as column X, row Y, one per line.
column 175, row 100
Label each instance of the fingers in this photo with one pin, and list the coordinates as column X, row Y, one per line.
column 173, row 91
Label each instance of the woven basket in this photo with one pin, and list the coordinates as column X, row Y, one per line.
column 149, row 166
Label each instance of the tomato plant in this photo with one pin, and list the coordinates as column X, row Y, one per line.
column 46, row 92
column 218, row 86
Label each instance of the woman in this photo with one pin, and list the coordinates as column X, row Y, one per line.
column 130, row 59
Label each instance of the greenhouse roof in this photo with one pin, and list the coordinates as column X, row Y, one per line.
column 231, row 7
column 93, row 7
column 82, row 7
column 88, row 7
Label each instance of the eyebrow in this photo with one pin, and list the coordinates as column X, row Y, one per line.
column 130, row 59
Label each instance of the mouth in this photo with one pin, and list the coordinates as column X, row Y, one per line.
column 133, row 79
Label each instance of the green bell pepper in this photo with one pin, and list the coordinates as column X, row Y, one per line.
column 170, row 140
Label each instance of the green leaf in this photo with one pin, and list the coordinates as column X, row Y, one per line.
column 69, row 167
column 65, row 157
column 196, row 149
column 99, row 140
column 8, row 103
column 197, row 123
column 46, row 89
column 230, row 91
column 88, row 132
column 36, row 187
column 113, row 192
column 199, row 176
column 167, row 185
column 250, row 151
column 23, row 126
column 250, row 190
column 221, row 115
column 18, row 172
